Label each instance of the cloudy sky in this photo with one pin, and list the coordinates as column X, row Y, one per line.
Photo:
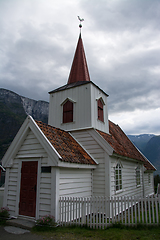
column 122, row 45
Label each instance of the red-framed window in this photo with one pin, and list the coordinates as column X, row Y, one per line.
column 68, row 112
column 100, row 110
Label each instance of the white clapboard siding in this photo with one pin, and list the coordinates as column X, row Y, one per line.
column 75, row 182
column 12, row 187
column 148, row 183
column 129, row 187
column 85, row 113
column 31, row 146
column 93, row 148
column 81, row 98
column 45, row 194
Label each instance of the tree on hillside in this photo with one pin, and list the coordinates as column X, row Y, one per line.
column 156, row 181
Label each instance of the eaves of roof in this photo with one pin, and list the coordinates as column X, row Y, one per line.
column 76, row 84
column 123, row 146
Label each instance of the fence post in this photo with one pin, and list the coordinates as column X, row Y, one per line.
column 118, row 209
column 145, row 204
column 125, row 212
column 83, row 210
column 132, row 210
column 70, row 217
column 122, row 210
column 159, row 200
column 135, row 209
column 96, row 208
column 68, row 210
column 107, row 210
column 128, row 211
column 93, row 212
column 149, row 208
column 103, row 211
column 153, row 210
column 65, row 211
column 156, row 201
column 60, row 208
column 100, row 211
column 115, row 210
column 76, row 215
column 142, row 203
column 79, row 210
column 73, row 209
column 88, row 212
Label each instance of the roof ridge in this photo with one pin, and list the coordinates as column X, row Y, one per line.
column 50, row 126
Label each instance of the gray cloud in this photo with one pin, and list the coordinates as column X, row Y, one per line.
column 121, row 41
column 118, row 16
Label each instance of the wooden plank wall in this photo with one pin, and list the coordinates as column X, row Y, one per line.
column 45, row 194
column 30, row 147
column 149, row 187
column 12, row 187
column 129, row 187
column 75, row 182
column 93, row 148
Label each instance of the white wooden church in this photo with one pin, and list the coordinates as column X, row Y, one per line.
column 79, row 153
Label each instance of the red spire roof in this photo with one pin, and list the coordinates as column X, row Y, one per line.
column 79, row 70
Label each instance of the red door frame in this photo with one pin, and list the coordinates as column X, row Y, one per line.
column 28, row 188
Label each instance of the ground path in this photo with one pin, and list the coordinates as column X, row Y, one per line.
column 15, row 233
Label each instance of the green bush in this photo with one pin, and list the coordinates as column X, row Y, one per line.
column 4, row 214
column 47, row 220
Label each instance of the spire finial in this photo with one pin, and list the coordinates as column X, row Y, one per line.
column 81, row 20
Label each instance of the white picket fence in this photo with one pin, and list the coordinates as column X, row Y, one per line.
column 101, row 212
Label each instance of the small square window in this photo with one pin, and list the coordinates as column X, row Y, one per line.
column 45, row 169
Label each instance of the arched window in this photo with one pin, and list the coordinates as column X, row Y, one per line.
column 118, row 176
column 149, row 178
column 100, row 110
column 68, row 112
column 138, row 176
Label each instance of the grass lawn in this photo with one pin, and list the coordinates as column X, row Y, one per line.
column 119, row 233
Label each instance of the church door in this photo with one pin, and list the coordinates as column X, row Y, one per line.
column 27, row 204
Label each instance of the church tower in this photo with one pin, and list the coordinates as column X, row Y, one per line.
column 79, row 104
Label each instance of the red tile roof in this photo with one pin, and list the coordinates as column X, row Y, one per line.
column 79, row 70
column 122, row 145
column 65, row 145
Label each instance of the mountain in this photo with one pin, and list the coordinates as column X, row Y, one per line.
column 13, row 111
column 152, row 152
column 149, row 145
column 140, row 141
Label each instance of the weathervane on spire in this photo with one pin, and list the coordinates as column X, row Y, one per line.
column 81, row 20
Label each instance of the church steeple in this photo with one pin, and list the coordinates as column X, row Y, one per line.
column 79, row 104
column 79, row 70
